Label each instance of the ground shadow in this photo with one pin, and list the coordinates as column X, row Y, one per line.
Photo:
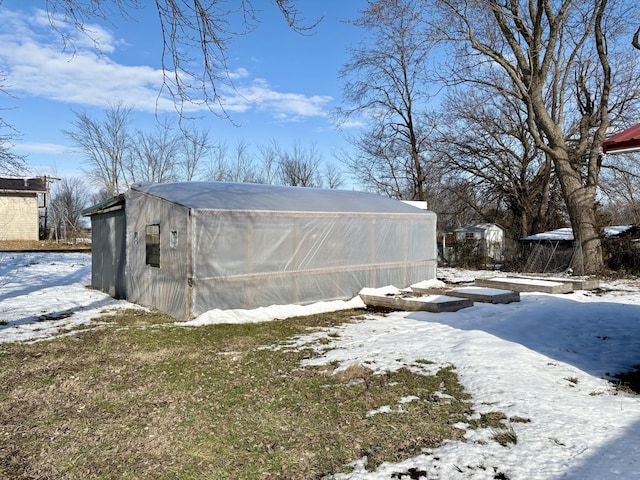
column 618, row 458
column 598, row 337
column 11, row 271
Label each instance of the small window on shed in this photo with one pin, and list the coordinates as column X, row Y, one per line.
column 469, row 236
column 152, row 241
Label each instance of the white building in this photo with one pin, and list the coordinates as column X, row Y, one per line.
column 490, row 236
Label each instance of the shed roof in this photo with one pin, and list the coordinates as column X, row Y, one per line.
column 626, row 141
column 37, row 184
column 108, row 205
column 478, row 227
column 257, row 197
column 566, row 234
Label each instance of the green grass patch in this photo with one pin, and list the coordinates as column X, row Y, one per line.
column 144, row 399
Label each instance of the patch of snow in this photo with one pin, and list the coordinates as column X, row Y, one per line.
column 429, row 284
column 529, row 281
column 47, row 294
column 566, row 234
column 381, row 292
column 266, row 314
column 482, row 290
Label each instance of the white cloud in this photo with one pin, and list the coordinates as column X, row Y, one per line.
column 42, row 148
column 283, row 106
column 36, row 64
column 350, row 123
column 94, row 36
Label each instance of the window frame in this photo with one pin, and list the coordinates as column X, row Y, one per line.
column 152, row 245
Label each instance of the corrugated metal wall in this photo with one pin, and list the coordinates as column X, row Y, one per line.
column 108, row 257
column 164, row 287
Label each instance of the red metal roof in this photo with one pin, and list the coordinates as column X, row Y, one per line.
column 626, row 141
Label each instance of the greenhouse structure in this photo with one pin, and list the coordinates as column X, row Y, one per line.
column 187, row 248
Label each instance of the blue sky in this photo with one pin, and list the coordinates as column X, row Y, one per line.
column 287, row 83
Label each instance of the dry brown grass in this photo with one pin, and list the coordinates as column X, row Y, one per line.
column 142, row 400
column 41, row 245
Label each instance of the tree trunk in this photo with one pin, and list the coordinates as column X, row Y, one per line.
column 580, row 201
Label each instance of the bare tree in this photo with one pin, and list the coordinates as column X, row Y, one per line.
column 68, row 199
column 621, row 188
column 272, row 164
column 236, row 165
column 10, row 162
column 195, row 146
column 269, row 155
column 560, row 58
column 105, row 145
column 486, row 135
column 242, row 165
column 299, row 166
column 216, row 169
column 332, row 177
column 195, row 38
column 153, row 155
column 386, row 84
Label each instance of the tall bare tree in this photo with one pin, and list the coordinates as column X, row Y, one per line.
column 486, row 136
column 68, row 199
column 385, row 85
column 567, row 66
column 105, row 145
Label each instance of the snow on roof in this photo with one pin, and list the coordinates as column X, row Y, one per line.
column 566, row 234
column 478, row 227
column 416, row 203
column 256, row 197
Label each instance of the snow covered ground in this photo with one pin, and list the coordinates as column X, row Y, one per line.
column 44, row 294
column 542, row 359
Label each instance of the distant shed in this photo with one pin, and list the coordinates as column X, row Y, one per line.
column 555, row 251
column 489, row 235
column 186, row 248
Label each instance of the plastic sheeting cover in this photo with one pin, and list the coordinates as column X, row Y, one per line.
column 230, row 246
column 256, row 197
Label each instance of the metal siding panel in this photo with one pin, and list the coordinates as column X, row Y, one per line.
column 164, row 288
column 108, row 259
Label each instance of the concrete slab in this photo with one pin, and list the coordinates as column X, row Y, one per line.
column 429, row 291
column 430, row 303
column 578, row 283
column 518, row 284
column 485, row 294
